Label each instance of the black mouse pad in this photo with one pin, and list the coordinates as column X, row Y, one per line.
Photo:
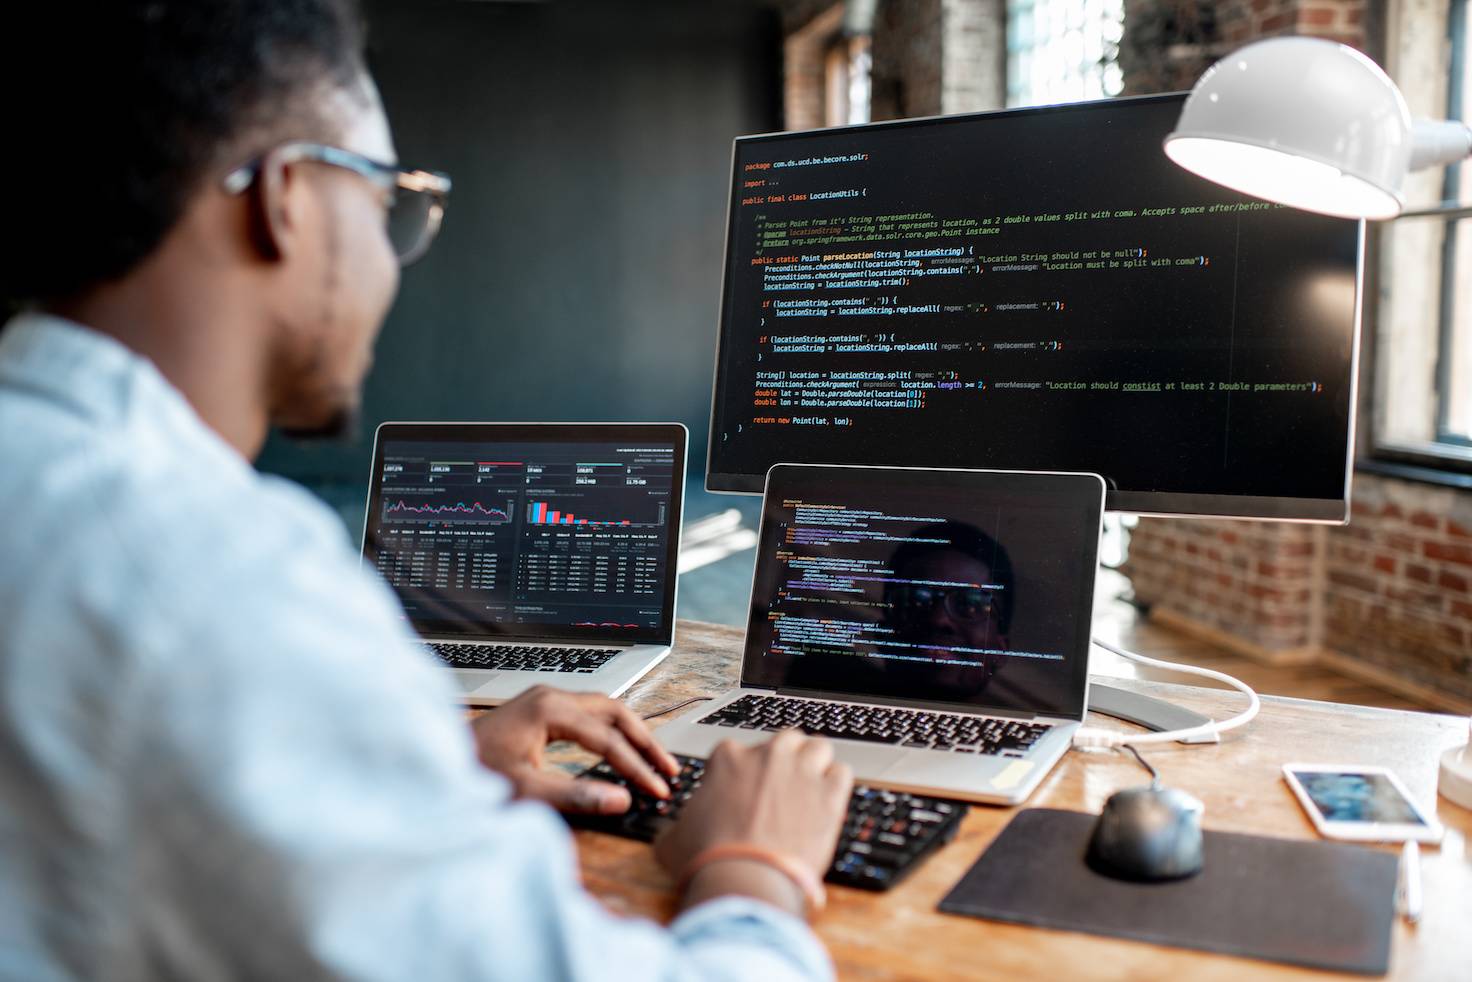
column 1316, row 904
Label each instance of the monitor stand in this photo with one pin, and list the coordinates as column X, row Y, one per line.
column 1154, row 714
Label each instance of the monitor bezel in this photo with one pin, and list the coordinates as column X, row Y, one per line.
column 1279, row 508
column 531, row 432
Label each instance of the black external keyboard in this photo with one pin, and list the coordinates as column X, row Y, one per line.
column 881, row 724
column 884, row 837
column 523, row 658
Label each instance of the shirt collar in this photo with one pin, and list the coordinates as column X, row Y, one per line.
column 92, row 374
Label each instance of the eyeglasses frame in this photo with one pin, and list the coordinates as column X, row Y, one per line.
column 944, row 595
column 433, row 183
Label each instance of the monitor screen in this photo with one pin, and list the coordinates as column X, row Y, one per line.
column 1038, row 289
column 557, row 531
column 959, row 588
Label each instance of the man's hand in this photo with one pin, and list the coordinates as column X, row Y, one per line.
column 512, row 737
column 788, row 795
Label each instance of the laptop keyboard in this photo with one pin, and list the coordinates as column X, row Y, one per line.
column 523, row 658
column 884, row 837
column 881, row 724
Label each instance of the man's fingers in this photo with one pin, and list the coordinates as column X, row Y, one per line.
column 592, row 732
column 637, row 732
column 606, row 727
column 786, row 741
column 569, row 794
column 816, row 754
column 840, row 778
column 726, row 751
column 631, row 764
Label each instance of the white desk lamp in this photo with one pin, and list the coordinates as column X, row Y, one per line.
column 1310, row 124
column 1318, row 126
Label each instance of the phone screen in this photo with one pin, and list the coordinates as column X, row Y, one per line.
column 1350, row 796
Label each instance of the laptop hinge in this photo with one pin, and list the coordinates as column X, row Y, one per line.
column 921, row 704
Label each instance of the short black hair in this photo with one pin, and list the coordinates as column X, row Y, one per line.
column 119, row 109
column 971, row 541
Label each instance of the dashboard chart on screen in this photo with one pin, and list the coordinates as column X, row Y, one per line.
column 1037, row 289
column 541, row 534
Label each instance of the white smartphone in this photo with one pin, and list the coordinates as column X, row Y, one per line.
column 1366, row 804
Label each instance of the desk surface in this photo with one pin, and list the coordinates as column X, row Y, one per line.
column 900, row 935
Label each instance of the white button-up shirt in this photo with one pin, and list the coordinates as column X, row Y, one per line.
column 221, row 756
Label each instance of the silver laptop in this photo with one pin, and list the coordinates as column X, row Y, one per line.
column 933, row 623
column 531, row 553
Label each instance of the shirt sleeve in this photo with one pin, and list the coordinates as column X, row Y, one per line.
column 306, row 803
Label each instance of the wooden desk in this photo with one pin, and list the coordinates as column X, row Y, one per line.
column 900, row 935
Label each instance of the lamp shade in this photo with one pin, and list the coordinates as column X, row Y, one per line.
column 1300, row 121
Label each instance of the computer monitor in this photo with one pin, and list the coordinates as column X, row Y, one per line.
column 1037, row 289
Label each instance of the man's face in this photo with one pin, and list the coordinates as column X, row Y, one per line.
column 941, row 619
column 344, row 280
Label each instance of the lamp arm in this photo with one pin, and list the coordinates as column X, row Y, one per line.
column 1446, row 211
column 1436, row 142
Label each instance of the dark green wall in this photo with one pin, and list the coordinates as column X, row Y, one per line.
column 578, row 272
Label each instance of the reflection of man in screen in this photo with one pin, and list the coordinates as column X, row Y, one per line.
column 953, row 592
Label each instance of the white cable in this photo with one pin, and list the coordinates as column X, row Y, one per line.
column 1089, row 736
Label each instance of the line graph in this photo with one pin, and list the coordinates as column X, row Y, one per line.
column 460, row 511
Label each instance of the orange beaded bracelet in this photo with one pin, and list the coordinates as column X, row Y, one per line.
column 807, row 884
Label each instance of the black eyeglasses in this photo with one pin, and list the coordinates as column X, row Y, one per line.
column 961, row 603
column 416, row 197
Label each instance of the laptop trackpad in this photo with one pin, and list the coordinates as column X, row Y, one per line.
column 469, row 681
column 868, row 761
column 956, row 770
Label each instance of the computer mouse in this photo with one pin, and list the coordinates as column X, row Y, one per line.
column 1147, row 835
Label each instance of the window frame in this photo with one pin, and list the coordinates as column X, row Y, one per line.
column 1446, row 457
column 1451, row 191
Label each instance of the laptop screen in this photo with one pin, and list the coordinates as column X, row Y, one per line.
column 971, row 588
column 562, row 532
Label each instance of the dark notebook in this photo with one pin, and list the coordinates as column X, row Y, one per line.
column 1316, row 904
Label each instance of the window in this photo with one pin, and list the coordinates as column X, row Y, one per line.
column 847, row 73
column 1422, row 317
column 826, row 72
column 1454, row 361
column 1063, row 50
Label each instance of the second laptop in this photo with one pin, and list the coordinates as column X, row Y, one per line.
column 528, row 553
column 933, row 623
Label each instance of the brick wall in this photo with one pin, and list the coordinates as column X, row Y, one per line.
column 1249, row 585
column 939, row 56
column 1387, row 597
column 907, row 59
column 1168, row 43
column 1398, row 585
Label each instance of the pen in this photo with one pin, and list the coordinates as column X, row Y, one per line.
column 1410, row 879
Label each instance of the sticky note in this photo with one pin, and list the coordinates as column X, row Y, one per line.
column 1012, row 774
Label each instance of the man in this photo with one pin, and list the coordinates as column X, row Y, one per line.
column 220, row 756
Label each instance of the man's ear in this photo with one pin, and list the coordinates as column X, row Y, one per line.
column 276, row 218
